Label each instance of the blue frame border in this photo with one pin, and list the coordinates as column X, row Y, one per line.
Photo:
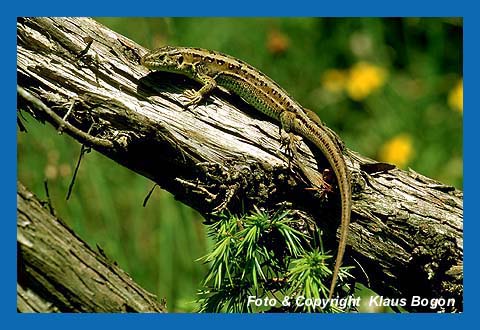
column 371, row 8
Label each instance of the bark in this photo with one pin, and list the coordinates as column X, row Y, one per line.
column 58, row 272
column 406, row 235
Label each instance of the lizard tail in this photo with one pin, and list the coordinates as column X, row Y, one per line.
column 345, row 221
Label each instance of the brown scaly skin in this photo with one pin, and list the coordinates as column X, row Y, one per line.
column 214, row 69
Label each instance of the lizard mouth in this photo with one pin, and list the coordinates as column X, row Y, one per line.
column 146, row 61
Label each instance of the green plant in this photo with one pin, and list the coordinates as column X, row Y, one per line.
column 262, row 262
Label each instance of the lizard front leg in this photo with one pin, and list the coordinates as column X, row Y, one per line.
column 208, row 84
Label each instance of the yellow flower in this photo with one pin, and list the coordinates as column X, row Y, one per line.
column 397, row 150
column 334, row 80
column 455, row 97
column 363, row 79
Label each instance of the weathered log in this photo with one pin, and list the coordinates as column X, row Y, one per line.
column 58, row 272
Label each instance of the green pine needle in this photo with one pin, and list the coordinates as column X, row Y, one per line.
column 263, row 255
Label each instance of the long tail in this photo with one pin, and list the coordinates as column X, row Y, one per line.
column 345, row 192
column 313, row 130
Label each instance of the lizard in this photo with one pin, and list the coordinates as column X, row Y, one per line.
column 212, row 69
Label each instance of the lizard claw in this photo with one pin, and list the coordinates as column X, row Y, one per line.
column 290, row 145
column 194, row 97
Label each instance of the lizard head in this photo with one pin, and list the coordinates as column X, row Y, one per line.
column 164, row 59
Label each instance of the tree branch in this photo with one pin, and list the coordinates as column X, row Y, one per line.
column 58, row 272
column 406, row 230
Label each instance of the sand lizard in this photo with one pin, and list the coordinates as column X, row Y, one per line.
column 214, row 69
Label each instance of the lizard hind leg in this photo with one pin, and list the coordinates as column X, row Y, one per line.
column 287, row 119
column 289, row 143
column 314, row 179
column 317, row 181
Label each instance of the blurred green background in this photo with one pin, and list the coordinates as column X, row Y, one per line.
column 391, row 88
